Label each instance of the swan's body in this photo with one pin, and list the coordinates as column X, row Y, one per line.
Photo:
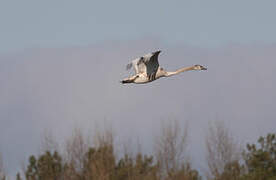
column 147, row 69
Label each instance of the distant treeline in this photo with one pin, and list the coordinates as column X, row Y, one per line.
column 82, row 160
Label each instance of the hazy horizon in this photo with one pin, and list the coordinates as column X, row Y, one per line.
column 61, row 63
column 58, row 89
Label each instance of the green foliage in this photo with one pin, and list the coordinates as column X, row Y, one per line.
column 140, row 168
column 232, row 171
column 261, row 159
column 184, row 173
column 259, row 162
column 101, row 164
column 31, row 173
column 47, row 166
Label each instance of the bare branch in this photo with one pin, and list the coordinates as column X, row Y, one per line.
column 170, row 146
column 48, row 142
column 76, row 147
column 221, row 148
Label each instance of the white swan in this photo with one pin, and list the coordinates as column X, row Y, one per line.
column 147, row 69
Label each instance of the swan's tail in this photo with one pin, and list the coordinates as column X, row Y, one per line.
column 126, row 81
column 129, row 80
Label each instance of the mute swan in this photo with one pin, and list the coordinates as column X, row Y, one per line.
column 147, row 69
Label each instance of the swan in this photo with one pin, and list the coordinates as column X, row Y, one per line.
column 147, row 69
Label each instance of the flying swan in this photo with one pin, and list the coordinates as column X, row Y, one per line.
column 147, row 69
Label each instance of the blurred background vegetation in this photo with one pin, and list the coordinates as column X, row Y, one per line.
column 81, row 158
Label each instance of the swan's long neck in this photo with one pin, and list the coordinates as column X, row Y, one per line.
column 180, row 71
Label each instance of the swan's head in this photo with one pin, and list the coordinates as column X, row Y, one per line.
column 199, row 67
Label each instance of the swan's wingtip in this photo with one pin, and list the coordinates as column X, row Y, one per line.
column 156, row 52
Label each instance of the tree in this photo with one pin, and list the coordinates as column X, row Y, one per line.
column 2, row 173
column 170, row 149
column 31, row 172
column 99, row 163
column 222, row 152
column 260, row 159
column 170, row 146
column 184, row 173
column 48, row 142
column 124, row 168
column 47, row 166
column 76, row 148
column 142, row 167
column 18, row 177
column 232, row 171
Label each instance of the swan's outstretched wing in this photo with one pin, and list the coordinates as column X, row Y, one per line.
column 147, row 63
column 151, row 62
column 138, row 66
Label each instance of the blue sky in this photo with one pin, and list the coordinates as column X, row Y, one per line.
column 63, row 23
column 61, row 61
